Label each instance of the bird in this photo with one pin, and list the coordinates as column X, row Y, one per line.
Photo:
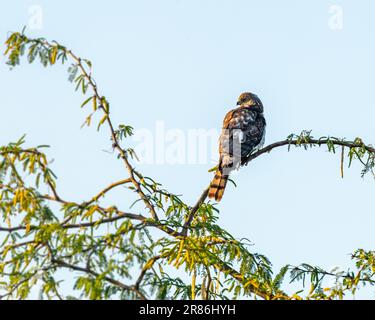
column 243, row 132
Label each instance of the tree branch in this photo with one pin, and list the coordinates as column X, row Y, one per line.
column 288, row 142
column 110, row 187
column 146, row 267
column 223, row 267
column 108, row 279
column 116, row 144
column 309, row 141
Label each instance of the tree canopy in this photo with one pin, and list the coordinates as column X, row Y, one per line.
column 157, row 247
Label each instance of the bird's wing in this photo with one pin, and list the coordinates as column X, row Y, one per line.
column 240, row 118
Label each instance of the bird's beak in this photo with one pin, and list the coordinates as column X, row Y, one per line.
column 238, row 103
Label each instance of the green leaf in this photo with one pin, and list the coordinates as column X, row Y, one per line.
column 86, row 101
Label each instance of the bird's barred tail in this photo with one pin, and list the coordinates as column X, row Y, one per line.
column 218, row 185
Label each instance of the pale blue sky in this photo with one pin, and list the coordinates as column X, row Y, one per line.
column 185, row 63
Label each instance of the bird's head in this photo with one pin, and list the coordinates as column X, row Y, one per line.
column 248, row 99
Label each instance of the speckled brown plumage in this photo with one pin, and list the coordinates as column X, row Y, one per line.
column 243, row 132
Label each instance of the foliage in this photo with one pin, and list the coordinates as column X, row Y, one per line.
column 104, row 247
